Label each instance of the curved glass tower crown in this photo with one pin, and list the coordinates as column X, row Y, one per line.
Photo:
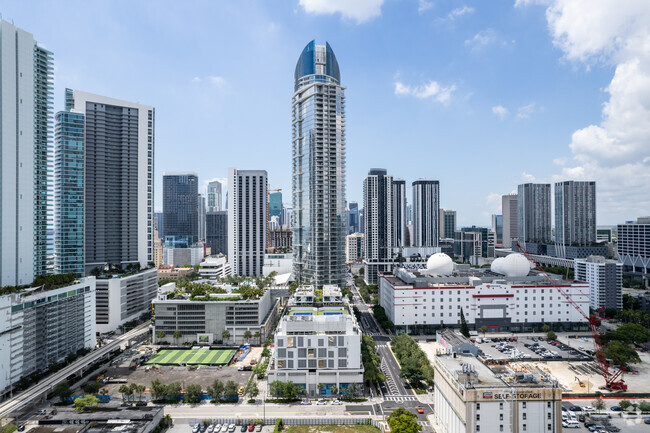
column 318, row 141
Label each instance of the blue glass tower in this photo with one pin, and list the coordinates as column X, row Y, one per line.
column 318, row 142
column 69, row 193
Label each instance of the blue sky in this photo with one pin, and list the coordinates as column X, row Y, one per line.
column 480, row 95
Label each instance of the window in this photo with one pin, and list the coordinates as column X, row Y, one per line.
column 549, row 427
column 478, row 406
column 523, row 427
column 501, row 427
column 500, row 406
column 280, row 363
column 311, row 353
column 548, row 415
column 321, row 363
column 478, row 428
column 523, row 416
column 500, row 417
column 290, row 342
column 478, row 417
column 548, row 404
column 523, row 405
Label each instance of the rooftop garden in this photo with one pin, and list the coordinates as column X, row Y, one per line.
column 112, row 270
column 47, row 282
column 204, row 292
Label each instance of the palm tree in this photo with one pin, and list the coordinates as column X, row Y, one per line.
column 320, row 387
column 334, row 390
column 124, row 390
column 259, row 337
column 133, row 388
column 177, row 335
column 103, row 392
column 160, row 335
column 247, row 335
column 225, row 335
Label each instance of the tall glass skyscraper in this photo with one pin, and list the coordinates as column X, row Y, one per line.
column 181, row 209
column 318, row 141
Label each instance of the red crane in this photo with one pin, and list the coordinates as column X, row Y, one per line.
column 613, row 380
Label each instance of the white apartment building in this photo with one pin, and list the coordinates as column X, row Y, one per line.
column 123, row 298
column 354, row 244
column 39, row 328
column 216, row 266
column 247, row 220
column 317, row 345
column 469, row 397
column 501, row 303
column 605, row 278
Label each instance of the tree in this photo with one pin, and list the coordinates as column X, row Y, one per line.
column 174, row 391
column 216, row 389
column 160, row 335
column 403, row 421
column 124, row 390
column 551, row 335
column 133, row 388
column 230, row 390
column 625, row 404
column 157, row 389
column 644, row 406
column 80, row 403
column 177, row 336
column 225, row 335
column 320, row 387
column 140, row 389
column 291, row 391
column 546, row 328
column 193, row 393
column 258, row 336
column 599, row 404
column 63, row 390
column 621, row 353
column 247, row 335
column 252, row 390
column 361, row 271
column 277, row 389
column 464, row 329
column 484, row 330
column 334, row 390
column 91, row 387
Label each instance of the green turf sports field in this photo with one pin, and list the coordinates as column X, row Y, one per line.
column 192, row 357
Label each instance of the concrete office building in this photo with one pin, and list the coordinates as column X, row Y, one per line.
column 318, row 181
column 183, row 256
column 634, row 248
column 605, row 278
column 447, row 223
column 354, row 245
column 501, row 303
column 122, row 298
column 575, row 214
column 510, row 214
column 399, row 213
column 118, row 146
column 214, row 196
column 534, row 213
column 470, row 397
column 216, row 236
column 378, row 223
column 39, row 328
column 318, row 345
column 605, row 234
column 426, row 222
column 215, row 266
column 26, row 78
column 287, row 217
column 247, row 220
column 180, row 209
column 280, row 263
column 205, row 321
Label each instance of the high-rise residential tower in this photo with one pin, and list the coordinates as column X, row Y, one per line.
column 379, row 231
column 118, row 154
column 318, row 142
column 216, row 237
column 275, row 206
column 447, row 223
column 247, row 220
column 214, row 196
column 534, row 212
column 426, row 202
column 181, row 209
column 353, row 217
column 399, row 212
column 509, row 212
column 201, row 214
column 575, row 213
column 26, row 75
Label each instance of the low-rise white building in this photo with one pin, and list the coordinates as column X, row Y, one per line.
column 40, row 327
column 280, row 263
column 216, row 266
column 183, row 256
column 318, row 345
column 499, row 302
column 122, row 298
column 469, row 397
column 605, row 278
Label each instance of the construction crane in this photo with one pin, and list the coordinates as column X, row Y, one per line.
column 613, row 379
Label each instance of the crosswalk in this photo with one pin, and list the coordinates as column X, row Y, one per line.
column 400, row 398
column 373, row 334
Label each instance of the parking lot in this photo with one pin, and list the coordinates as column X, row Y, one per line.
column 189, row 428
column 617, row 422
column 531, row 348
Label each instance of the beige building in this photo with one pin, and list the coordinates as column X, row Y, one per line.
column 471, row 397
column 354, row 247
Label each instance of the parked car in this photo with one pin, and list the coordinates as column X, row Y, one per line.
column 305, row 401
column 336, row 401
column 575, row 409
column 251, row 427
column 321, row 402
column 258, row 428
column 588, row 409
column 616, row 409
column 646, row 420
column 243, row 428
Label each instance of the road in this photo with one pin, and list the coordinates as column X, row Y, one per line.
column 21, row 401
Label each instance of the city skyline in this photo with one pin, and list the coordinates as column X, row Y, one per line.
column 519, row 105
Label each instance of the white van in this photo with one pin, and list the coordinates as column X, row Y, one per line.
column 572, row 424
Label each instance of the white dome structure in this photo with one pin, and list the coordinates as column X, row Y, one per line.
column 513, row 265
column 439, row 264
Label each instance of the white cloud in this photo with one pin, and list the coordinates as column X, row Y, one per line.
column 523, row 3
column 196, row 80
column 525, row 111
column 481, row 39
column 527, row 177
column 615, row 151
column 459, row 12
column 216, row 80
column 424, row 5
column 431, row 90
column 357, row 10
column 500, row 111
column 561, row 160
column 493, row 201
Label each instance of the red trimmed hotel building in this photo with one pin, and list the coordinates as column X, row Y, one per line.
column 501, row 303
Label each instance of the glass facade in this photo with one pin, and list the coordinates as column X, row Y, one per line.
column 217, row 232
column 275, row 205
column 318, row 141
column 69, row 193
column 180, row 206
